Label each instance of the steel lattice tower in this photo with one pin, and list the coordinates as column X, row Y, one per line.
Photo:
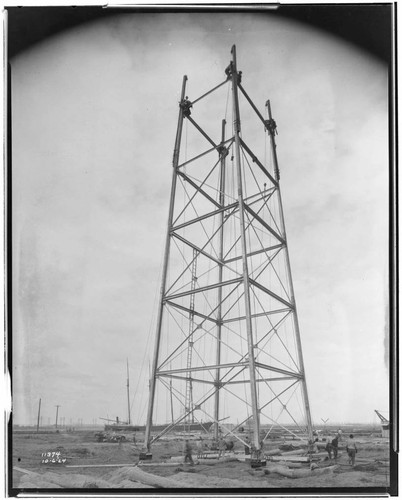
column 227, row 338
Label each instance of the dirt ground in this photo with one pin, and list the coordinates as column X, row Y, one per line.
column 80, row 449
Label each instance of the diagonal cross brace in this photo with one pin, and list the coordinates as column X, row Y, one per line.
column 201, row 131
column 263, row 223
column 197, row 249
column 257, row 161
column 272, row 294
column 197, row 187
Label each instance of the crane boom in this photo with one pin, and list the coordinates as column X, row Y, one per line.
column 382, row 418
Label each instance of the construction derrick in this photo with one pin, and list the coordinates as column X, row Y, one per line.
column 227, row 347
column 384, row 424
column 382, row 418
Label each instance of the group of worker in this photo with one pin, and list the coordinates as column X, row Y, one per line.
column 333, row 445
column 221, row 445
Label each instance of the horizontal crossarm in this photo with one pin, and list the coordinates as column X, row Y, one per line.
column 177, row 377
column 258, row 315
column 202, row 368
column 271, row 379
column 251, row 254
column 204, row 288
column 206, row 216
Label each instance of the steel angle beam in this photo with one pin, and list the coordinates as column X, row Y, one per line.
column 257, row 315
column 204, row 288
column 202, row 368
column 271, row 379
column 198, row 249
column 272, row 294
column 204, row 153
column 198, row 188
column 206, row 216
column 256, row 252
column 196, row 313
column 202, row 131
column 279, row 370
column 170, row 376
column 252, row 104
column 209, row 92
column 257, row 161
column 264, row 224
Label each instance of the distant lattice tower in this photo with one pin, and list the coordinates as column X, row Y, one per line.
column 227, row 347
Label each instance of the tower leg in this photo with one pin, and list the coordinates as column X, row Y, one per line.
column 219, row 312
column 250, row 341
column 164, row 273
column 292, row 295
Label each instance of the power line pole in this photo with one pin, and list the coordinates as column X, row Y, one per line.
column 57, row 413
column 171, row 402
column 37, row 426
column 128, row 395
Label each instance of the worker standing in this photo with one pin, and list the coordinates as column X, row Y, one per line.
column 328, row 448
column 188, row 452
column 247, row 446
column 351, row 449
column 311, row 448
column 221, row 447
column 334, row 446
column 200, row 446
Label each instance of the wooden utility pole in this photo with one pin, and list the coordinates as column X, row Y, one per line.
column 128, row 395
column 37, row 425
column 57, row 413
column 171, row 401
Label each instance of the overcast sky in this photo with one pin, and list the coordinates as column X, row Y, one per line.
column 94, row 113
